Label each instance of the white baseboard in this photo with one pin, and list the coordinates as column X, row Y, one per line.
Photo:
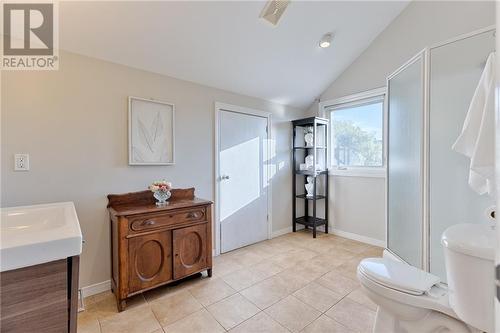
column 284, row 231
column 359, row 238
column 281, row 232
column 96, row 288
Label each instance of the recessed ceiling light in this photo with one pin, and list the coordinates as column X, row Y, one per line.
column 325, row 41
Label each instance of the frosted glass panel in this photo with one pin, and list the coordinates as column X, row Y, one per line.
column 404, row 202
column 455, row 72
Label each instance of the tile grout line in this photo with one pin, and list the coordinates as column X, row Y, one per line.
column 261, row 311
column 211, row 315
column 154, row 315
column 249, row 317
column 320, row 313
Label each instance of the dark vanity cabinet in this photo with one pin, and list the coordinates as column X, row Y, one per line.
column 41, row 298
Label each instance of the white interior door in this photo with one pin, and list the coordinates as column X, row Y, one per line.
column 243, row 209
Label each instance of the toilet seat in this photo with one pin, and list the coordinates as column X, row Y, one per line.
column 397, row 275
column 419, row 291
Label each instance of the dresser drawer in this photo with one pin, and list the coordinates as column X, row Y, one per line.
column 154, row 221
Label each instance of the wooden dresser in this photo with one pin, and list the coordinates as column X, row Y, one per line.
column 152, row 246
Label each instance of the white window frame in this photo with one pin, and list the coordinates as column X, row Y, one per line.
column 351, row 100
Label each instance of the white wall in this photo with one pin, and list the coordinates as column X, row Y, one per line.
column 357, row 206
column 73, row 123
column 421, row 24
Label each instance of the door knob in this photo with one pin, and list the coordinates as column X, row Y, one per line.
column 224, row 177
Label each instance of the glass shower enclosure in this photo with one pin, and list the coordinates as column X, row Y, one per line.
column 405, row 91
column 427, row 182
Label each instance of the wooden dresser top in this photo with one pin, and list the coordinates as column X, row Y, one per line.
column 144, row 202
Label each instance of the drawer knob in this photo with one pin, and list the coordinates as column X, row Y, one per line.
column 148, row 222
column 192, row 215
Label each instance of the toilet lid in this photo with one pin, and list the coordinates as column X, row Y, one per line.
column 398, row 275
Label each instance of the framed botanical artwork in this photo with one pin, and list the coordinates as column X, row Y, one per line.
column 151, row 135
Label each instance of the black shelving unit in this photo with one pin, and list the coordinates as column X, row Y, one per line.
column 318, row 150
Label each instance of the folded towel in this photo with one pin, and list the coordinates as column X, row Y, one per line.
column 477, row 140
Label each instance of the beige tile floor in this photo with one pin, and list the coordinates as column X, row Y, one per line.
column 292, row 283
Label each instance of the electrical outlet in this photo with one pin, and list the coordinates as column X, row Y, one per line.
column 21, row 162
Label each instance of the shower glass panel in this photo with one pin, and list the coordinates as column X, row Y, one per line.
column 455, row 69
column 404, row 162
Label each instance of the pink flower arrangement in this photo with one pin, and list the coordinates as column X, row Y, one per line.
column 160, row 186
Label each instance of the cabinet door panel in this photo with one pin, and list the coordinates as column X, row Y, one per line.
column 150, row 260
column 190, row 254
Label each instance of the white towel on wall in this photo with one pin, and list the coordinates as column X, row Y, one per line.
column 477, row 140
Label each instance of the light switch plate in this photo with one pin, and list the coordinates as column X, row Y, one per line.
column 21, row 162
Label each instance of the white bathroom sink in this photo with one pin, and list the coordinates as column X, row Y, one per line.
column 32, row 235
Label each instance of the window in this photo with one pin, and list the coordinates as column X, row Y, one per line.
column 357, row 131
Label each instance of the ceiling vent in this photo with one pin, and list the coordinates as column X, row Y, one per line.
column 273, row 11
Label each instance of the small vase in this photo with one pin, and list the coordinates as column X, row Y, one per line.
column 309, row 162
column 162, row 197
column 309, row 136
column 309, row 187
column 309, row 139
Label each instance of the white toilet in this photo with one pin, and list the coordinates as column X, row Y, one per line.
column 411, row 300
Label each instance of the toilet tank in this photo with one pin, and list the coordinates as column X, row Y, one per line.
column 469, row 251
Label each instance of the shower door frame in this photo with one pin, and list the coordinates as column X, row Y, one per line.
column 424, row 56
column 425, row 165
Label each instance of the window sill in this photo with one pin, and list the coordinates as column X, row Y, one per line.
column 358, row 172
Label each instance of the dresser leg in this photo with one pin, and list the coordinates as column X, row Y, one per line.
column 209, row 272
column 122, row 304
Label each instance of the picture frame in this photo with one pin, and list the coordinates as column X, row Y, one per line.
column 151, row 132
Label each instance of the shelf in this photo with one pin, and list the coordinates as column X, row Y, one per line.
column 301, row 148
column 317, row 147
column 309, row 221
column 303, row 196
column 310, row 173
column 310, row 121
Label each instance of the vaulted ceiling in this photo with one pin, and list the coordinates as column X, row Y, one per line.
column 225, row 44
